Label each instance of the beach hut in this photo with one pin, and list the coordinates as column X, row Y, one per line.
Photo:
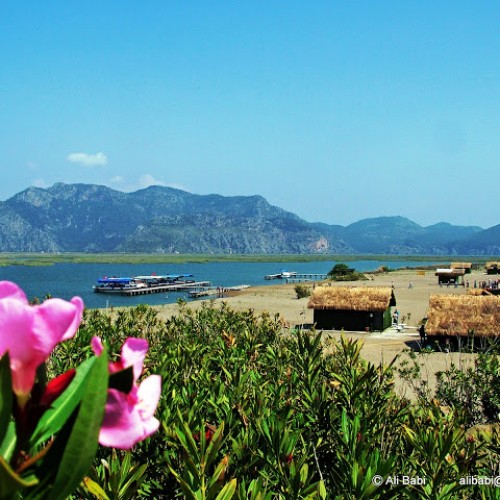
column 446, row 276
column 452, row 315
column 466, row 266
column 493, row 268
column 352, row 308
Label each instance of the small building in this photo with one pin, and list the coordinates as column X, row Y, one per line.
column 462, row 315
column 352, row 308
column 466, row 266
column 492, row 268
column 453, row 276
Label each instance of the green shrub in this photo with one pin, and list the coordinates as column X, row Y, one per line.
column 302, row 291
column 473, row 392
column 342, row 272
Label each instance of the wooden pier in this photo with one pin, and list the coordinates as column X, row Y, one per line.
column 194, row 294
column 211, row 291
column 300, row 277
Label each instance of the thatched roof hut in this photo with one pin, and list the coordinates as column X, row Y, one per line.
column 351, row 298
column 449, row 275
column 466, row 266
column 461, row 314
column 492, row 267
column 352, row 308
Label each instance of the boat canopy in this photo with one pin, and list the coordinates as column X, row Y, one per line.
column 163, row 277
column 117, row 281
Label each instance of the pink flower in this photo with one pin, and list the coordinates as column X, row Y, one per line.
column 30, row 333
column 129, row 418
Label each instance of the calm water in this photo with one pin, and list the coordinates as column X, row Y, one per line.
column 68, row 280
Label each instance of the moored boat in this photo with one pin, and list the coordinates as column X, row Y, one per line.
column 287, row 274
column 281, row 275
column 118, row 285
column 165, row 279
column 145, row 284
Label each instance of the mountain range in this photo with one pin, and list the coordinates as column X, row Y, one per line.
column 158, row 219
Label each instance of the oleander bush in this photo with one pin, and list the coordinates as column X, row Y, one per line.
column 472, row 390
column 250, row 410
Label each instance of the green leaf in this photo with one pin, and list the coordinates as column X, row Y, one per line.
column 10, row 482
column 5, row 394
column 322, row 490
column 133, row 479
column 8, row 444
column 81, row 446
column 188, row 442
column 186, row 489
column 304, row 473
column 62, row 408
column 214, row 480
column 228, row 491
column 190, row 454
column 265, row 430
column 94, row 489
column 214, row 446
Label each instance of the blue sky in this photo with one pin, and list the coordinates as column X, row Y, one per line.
column 336, row 110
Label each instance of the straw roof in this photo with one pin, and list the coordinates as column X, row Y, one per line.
column 344, row 298
column 449, row 272
column 492, row 264
column 461, row 265
column 459, row 314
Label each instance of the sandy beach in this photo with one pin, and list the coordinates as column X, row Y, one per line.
column 412, row 289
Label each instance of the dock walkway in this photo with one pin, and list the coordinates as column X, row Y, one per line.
column 300, row 277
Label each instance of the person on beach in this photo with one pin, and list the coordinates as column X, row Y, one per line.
column 395, row 317
column 423, row 336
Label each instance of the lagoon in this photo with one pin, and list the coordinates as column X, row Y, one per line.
column 65, row 280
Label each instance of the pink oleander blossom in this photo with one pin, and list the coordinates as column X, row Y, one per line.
column 129, row 417
column 29, row 333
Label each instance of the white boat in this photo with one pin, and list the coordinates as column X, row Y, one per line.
column 125, row 285
column 118, row 285
column 164, row 279
column 281, row 275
